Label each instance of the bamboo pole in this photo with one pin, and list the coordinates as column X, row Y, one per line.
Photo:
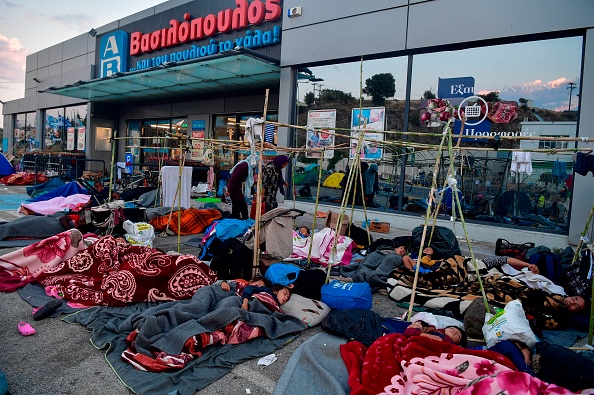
column 313, row 228
column 256, row 259
column 430, row 198
column 112, row 167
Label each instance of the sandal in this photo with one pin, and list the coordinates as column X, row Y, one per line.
column 47, row 310
column 26, row 329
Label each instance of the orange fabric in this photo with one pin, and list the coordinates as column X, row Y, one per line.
column 193, row 220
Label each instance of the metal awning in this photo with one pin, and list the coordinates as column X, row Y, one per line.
column 235, row 70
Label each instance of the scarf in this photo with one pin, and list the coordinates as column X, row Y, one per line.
column 252, row 162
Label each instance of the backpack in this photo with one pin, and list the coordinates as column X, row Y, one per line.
column 444, row 242
column 361, row 325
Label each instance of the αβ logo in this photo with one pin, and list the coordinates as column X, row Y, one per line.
column 113, row 54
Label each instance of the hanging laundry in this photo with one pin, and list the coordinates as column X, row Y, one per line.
column 253, row 132
column 521, row 163
column 584, row 164
column 559, row 171
column 269, row 133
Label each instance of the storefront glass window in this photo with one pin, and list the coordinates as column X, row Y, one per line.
column 529, row 88
column 329, row 96
column 55, row 130
column 76, row 132
column 530, row 94
column 25, row 134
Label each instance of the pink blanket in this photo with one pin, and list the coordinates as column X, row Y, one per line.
column 21, row 267
column 59, row 203
column 322, row 247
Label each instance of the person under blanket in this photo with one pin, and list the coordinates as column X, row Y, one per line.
column 449, row 334
column 240, row 284
column 516, row 351
column 278, row 292
column 489, row 261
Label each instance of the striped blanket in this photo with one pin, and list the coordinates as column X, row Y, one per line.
column 193, row 221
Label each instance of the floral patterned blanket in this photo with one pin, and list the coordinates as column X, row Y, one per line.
column 107, row 273
column 394, row 364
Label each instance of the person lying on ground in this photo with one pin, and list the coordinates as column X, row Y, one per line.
column 449, row 334
column 517, row 352
column 455, row 282
column 489, row 261
column 240, row 284
column 279, row 293
column 303, row 232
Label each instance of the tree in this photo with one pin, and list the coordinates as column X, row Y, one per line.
column 428, row 94
column 491, row 97
column 309, row 99
column 379, row 87
column 336, row 96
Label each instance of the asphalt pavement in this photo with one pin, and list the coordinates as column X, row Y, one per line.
column 60, row 359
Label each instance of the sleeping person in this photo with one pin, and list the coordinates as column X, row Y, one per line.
column 449, row 334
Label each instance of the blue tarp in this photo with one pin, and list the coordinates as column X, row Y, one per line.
column 6, row 168
column 71, row 188
column 45, row 187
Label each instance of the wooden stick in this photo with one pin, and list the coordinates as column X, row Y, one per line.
column 259, row 194
column 313, row 229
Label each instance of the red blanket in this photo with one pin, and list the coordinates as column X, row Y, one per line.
column 23, row 179
column 113, row 273
column 371, row 370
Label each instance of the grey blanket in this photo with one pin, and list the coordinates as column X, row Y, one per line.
column 33, row 226
column 168, row 326
column 373, row 269
column 105, row 322
column 316, row 367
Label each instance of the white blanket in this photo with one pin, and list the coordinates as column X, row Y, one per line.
column 534, row 281
column 322, row 247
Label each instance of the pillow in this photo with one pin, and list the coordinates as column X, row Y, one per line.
column 310, row 311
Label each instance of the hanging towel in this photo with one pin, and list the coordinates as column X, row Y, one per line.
column 170, row 178
column 559, row 171
column 521, row 163
column 584, row 164
column 269, row 133
column 210, row 178
column 253, row 132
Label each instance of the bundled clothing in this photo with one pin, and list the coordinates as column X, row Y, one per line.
column 242, row 172
column 272, row 181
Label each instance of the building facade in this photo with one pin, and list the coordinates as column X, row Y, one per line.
column 201, row 68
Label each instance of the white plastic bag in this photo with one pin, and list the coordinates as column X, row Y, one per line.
column 139, row 233
column 508, row 324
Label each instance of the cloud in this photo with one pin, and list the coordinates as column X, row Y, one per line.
column 8, row 4
column 12, row 59
column 79, row 22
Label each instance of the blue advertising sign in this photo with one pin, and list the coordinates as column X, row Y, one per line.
column 455, row 87
column 113, row 53
column 199, row 125
column 478, row 130
column 129, row 168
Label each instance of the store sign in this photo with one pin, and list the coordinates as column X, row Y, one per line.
column 113, row 57
column 448, row 88
column 70, row 139
column 198, row 131
column 371, row 121
column 242, row 16
column 81, row 139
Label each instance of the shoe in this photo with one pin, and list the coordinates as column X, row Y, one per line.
column 26, row 329
column 47, row 310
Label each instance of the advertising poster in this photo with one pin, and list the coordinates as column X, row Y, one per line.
column 81, row 139
column 372, row 121
column 321, row 138
column 198, row 129
column 70, row 139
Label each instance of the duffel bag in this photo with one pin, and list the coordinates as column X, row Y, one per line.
column 340, row 295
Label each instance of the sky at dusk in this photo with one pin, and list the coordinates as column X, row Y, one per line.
column 28, row 26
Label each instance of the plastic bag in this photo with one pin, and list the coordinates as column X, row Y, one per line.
column 139, row 233
column 508, row 324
